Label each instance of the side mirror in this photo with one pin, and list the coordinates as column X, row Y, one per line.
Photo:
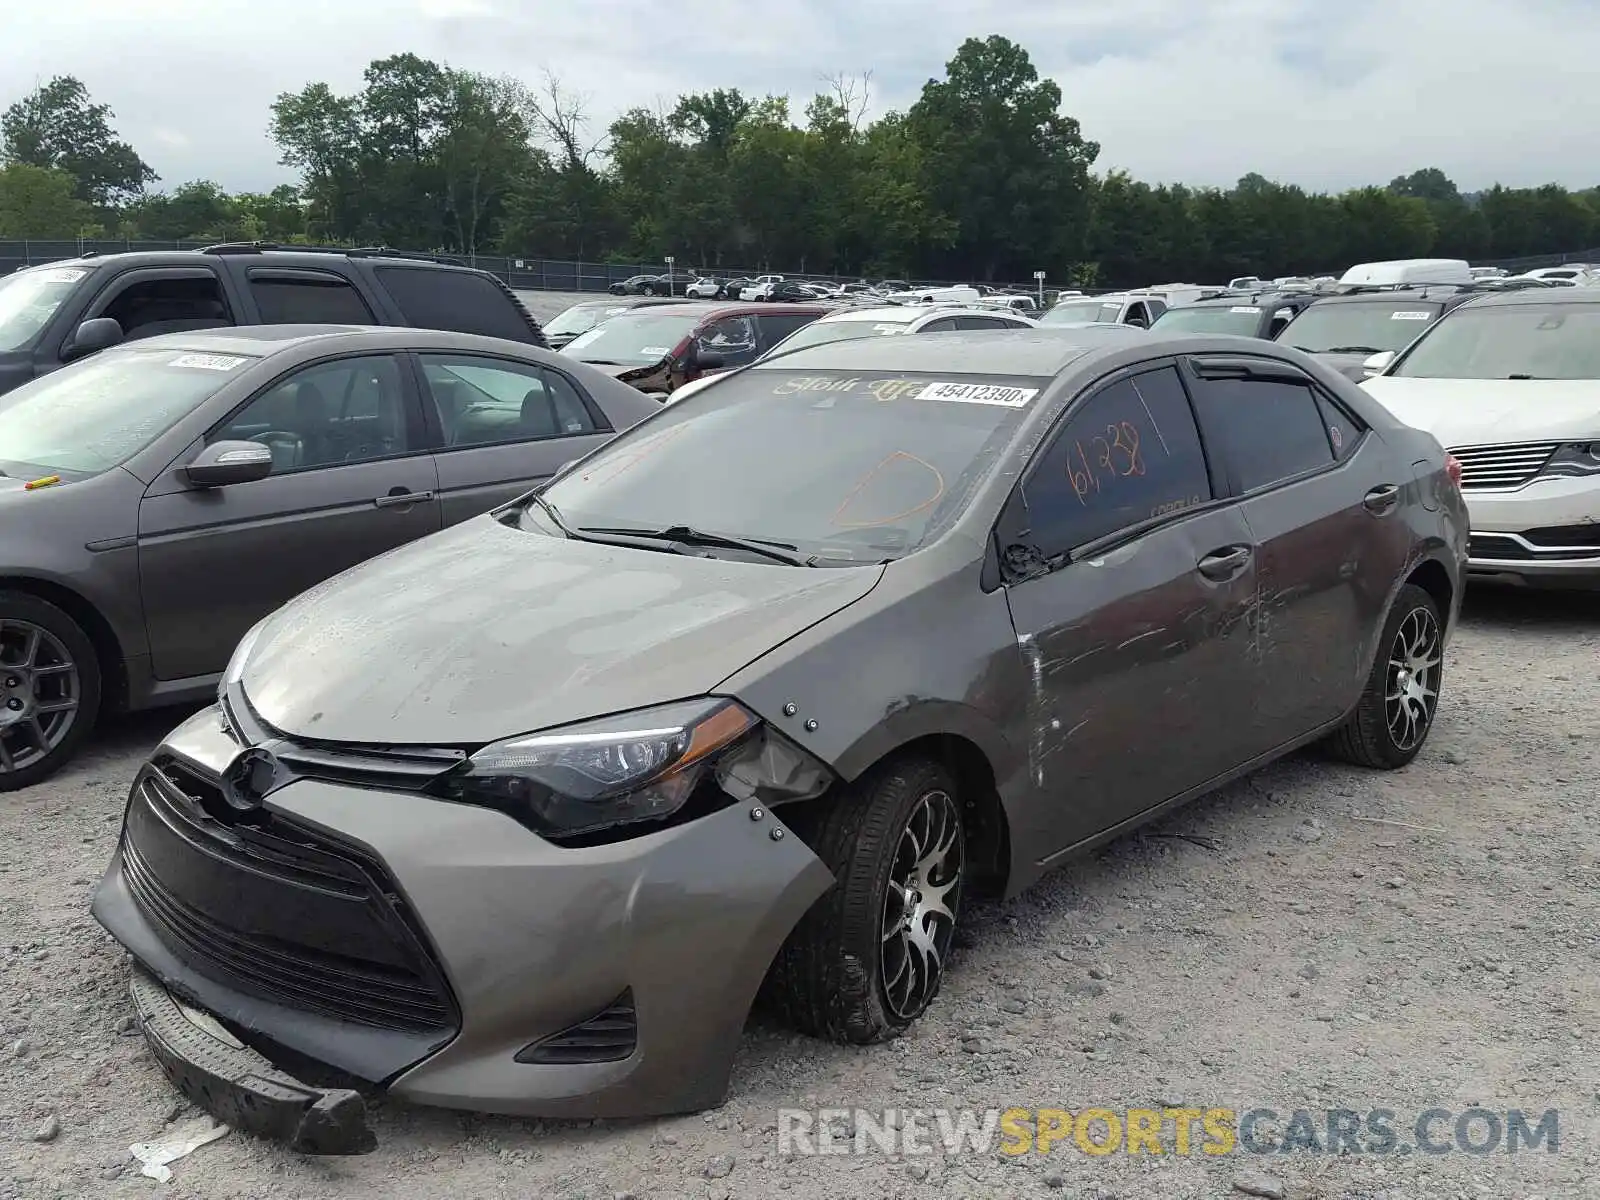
column 1376, row 364
column 707, row 360
column 100, row 333
column 224, row 463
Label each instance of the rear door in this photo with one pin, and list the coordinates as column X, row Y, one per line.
column 1321, row 495
column 353, row 475
column 502, row 426
column 1136, row 571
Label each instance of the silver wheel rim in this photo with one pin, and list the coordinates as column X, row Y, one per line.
column 1412, row 692
column 39, row 694
column 920, row 907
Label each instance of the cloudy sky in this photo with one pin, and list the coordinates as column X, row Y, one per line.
column 1325, row 93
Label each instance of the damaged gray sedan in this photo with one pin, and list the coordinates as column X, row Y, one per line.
column 522, row 817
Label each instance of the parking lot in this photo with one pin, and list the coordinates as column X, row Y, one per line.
column 1314, row 938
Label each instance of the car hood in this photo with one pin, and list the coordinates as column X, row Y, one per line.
column 484, row 631
column 1348, row 365
column 1476, row 412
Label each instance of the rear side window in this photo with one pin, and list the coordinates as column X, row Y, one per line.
column 455, row 300
column 308, row 300
column 777, row 326
column 1343, row 429
column 1269, row 429
column 1129, row 453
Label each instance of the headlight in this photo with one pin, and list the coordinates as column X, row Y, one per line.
column 1574, row 460
column 241, row 655
column 640, row 766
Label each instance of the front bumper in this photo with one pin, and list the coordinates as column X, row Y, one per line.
column 1546, row 533
column 529, row 938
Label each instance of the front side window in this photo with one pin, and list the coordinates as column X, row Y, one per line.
column 28, row 299
column 634, row 339
column 1270, row 430
column 1510, row 341
column 308, row 300
column 93, row 415
column 1127, row 454
column 151, row 307
column 1359, row 327
column 848, row 467
column 350, row 410
column 484, row 401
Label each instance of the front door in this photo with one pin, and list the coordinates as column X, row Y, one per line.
column 352, row 477
column 1134, row 645
column 504, row 426
column 1321, row 496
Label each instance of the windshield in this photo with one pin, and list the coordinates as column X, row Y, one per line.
column 581, row 318
column 1364, row 328
column 820, row 333
column 93, row 415
column 1082, row 310
column 633, row 339
column 1513, row 341
column 1242, row 319
column 845, row 467
column 28, row 299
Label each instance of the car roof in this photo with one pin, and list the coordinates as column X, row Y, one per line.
column 987, row 352
column 1535, row 296
column 1247, row 299
column 265, row 340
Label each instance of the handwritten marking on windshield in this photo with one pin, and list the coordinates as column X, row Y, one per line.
column 939, row 490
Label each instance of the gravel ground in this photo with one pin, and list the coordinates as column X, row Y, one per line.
column 1290, row 956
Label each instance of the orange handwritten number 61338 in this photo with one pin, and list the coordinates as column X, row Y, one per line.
column 1125, row 437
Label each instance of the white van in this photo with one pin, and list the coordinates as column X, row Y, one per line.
column 1409, row 272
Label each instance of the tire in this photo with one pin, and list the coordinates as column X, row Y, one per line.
column 647, row 289
column 1410, row 664
column 46, row 661
column 836, row 976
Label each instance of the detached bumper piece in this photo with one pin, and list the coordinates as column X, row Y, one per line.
column 240, row 1087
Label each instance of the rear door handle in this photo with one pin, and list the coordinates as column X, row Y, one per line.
column 400, row 498
column 1381, row 500
column 1224, row 563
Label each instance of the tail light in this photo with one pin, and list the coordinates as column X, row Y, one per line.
column 1452, row 467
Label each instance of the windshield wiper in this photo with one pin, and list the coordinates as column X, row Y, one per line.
column 551, row 512
column 1522, row 377
column 602, row 362
column 1350, row 350
column 683, row 534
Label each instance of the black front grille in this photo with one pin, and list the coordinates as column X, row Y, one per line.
column 276, row 912
column 611, row 1035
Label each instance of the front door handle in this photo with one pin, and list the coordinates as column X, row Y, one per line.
column 400, row 498
column 1224, row 563
column 1382, row 500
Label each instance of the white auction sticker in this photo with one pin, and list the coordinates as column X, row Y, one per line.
column 208, row 362
column 1243, row 308
column 62, row 275
column 655, row 350
column 978, row 393
column 1411, row 316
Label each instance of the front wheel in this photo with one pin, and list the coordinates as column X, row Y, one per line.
column 868, row 958
column 1395, row 714
column 49, row 689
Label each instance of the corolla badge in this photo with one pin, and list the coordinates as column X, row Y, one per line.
column 248, row 779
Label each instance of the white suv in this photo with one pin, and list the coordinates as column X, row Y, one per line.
column 1510, row 384
column 759, row 288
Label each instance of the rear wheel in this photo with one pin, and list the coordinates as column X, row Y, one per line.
column 49, row 689
column 1395, row 714
column 868, row 958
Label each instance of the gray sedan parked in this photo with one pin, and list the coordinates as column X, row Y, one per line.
column 158, row 499
column 520, row 817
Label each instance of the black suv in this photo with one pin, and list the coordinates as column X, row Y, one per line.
column 1258, row 314
column 1344, row 330
column 59, row 312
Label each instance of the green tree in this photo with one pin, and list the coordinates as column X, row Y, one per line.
column 1003, row 161
column 41, row 203
column 57, row 126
